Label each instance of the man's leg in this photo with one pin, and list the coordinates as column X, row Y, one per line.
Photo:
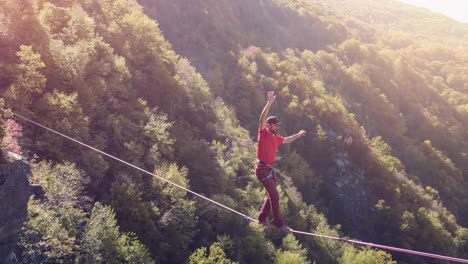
column 273, row 201
column 262, row 173
column 266, row 209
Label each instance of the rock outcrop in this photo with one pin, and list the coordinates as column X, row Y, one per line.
column 14, row 196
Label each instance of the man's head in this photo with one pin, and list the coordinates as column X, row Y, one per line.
column 273, row 123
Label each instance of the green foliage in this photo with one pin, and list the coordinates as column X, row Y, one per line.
column 132, row 250
column 383, row 154
column 365, row 256
column 432, row 231
column 216, row 255
column 52, row 228
column 156, row 129
column 461, row 240
column 63, row 183
column 80, row 26
column 199, row 158
column 291, row 252
column 66, row 115
column 30, row 81
column 173, row 173
column 303, row 176
column 178, row 218
column 102, row 242
column 50, row 233
column 178, row 231
column 135, row 213
column 235, row 154
column 409, row 227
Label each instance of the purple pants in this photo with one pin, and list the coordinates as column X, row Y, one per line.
column 271, row 203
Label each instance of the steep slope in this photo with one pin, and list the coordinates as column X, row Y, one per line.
column 211, row 33
column 386, row 99
column 396, row 16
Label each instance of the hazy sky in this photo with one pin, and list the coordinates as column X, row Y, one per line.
column 456, row 9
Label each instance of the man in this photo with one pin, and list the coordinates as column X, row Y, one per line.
column 268, row 142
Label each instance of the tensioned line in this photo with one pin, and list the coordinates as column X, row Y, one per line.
column 138, row 168
column 248, row 217
column 402, row 250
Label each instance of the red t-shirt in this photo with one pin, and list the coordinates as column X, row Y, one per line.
column 268, row 143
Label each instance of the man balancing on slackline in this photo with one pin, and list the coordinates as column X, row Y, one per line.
column 268, row 142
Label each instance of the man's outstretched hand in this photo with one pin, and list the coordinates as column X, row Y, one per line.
column 271, row 96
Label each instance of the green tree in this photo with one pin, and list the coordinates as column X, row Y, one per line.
column 30, row 81
column 409, row 227
column 178, row 220
column 383, row 153
column 63, row 183
column 216, row 255
column 291, row 252
column 103, row 243
column 52, row 228
column 135, row 212
column 157, row 132
column 133, row 251
column 65, row 114
column 365, row 256
column 50, row 233
column 304, row 177
column 100, row 240
column 434, row 232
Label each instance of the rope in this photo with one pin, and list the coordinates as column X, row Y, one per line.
column 140, row 169
column 248, row 217
column 412, row 252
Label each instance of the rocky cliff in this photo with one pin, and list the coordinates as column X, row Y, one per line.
column 14, row 196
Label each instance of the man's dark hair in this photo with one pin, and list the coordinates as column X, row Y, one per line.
column 272, row 120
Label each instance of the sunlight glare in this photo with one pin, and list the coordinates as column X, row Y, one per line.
column 454, row 9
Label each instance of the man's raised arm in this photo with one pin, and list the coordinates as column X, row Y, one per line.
column 271, row 98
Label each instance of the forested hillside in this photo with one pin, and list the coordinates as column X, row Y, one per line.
column 176, row 88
